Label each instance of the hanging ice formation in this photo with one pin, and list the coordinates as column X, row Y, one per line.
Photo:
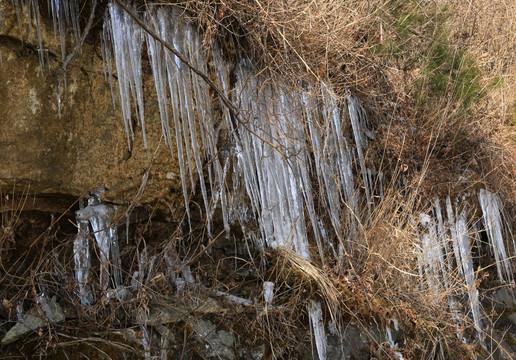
column 446, row 245
column 492, row 218
column 96, row 217
column 82, row 259
column 65, row 13
column 270, row 155
column 391, row 339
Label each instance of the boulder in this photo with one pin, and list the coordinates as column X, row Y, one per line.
column 61, row 136
column 49, row 311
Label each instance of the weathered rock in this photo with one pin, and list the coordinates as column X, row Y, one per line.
column 354, row 343
column 178, row 311
column 77, row 143
column 33, row 320
column 512, row 317
column 216, row 343
column 257, row 353
column 505, row 297
column 497, row 347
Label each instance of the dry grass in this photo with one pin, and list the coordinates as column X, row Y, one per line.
column 302, row 37
column 444, row 68
column 488, row 31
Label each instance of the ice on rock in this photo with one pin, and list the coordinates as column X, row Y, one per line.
column 287, row 137
column 98, row 217
column 284, row 136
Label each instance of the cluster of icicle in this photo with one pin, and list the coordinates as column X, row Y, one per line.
column 96, row 219
column 286, row 137
column 268, row 150
column 446, row 246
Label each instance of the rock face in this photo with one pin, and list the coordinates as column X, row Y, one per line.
column 51, row 312
column 74, row 143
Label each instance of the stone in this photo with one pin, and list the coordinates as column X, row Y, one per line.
column 216, row 343
column 505, row 297
column 256, row 353
column 354, row 343
column 34, row 320
column 512, row 317
column 31, row 322
column 176, row 311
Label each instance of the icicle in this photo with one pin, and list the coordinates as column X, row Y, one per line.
column 431, row 257
column 165, row 334
column 2, row 23
column 356, row 114
column 268, row 292
column 135, row 283
column 187, row 275
column 316, row 318
column 453, row 231
column 81, row 250
column 390, row 338
column 127, row 39
column 334, row 159
column 41, row 49
column 20, row 313
column 73, row 9
column 469, row 272
column 107, row 55
column 116, row 264
column 146, row 342
column 156, row 55
column 175, row 266
column 444, row 242
column 59, row 20
column 17, row 6
column 100, row 226
column 380, row 179
column 493, row 224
